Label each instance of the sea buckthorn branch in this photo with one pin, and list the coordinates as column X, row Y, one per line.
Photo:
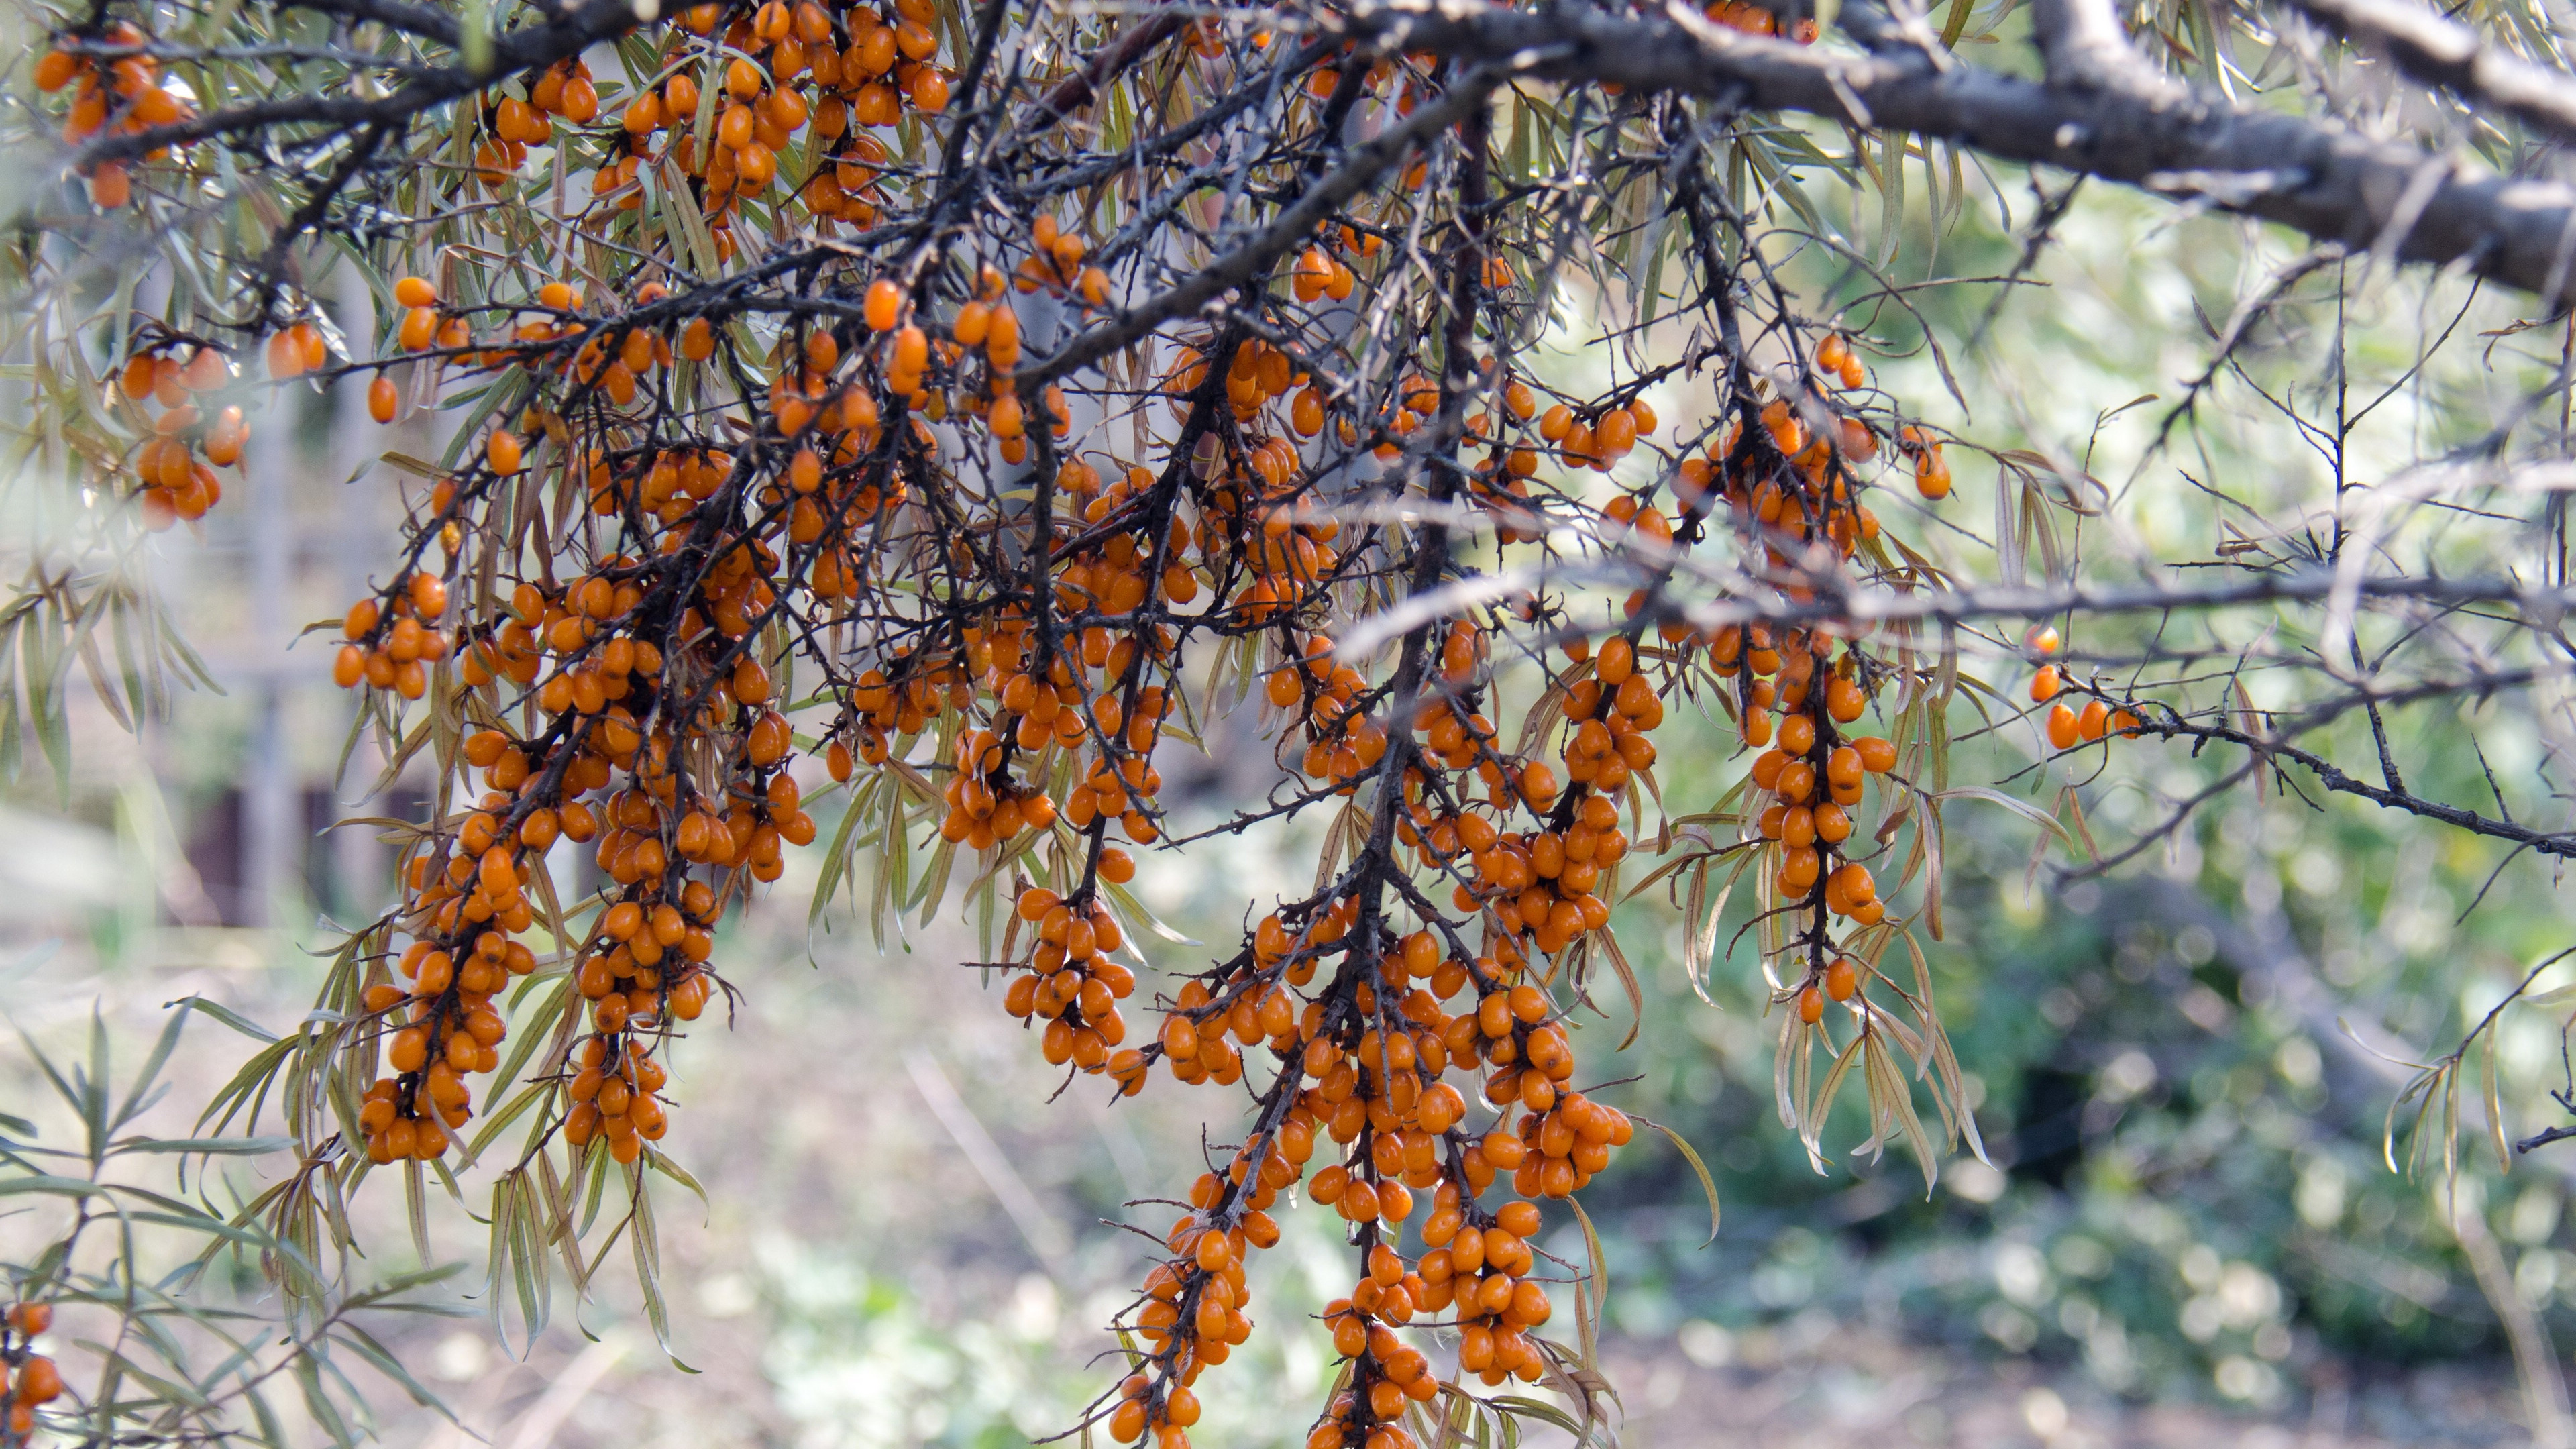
column 28, row 1380
column 2431, row 49
column 270, row 268
column 1294, row 226
column 1131, row 46
column 2269, row 748
column 991, row 452
column 534, row 47
column 1057, row 176
column 84, row 1276
column 418, row 20
column 2162, row 137
column 1725, row 598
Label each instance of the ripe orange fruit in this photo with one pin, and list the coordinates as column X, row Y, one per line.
column 885, row 305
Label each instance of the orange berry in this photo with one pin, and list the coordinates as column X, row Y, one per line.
column 884, row 304
column 110, row 187
column 39, row 1382
column 1842, row 978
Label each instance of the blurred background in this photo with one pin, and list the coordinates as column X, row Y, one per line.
column 2187, row 1232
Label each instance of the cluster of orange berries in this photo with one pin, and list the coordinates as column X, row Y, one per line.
column 1754, row 19
column 1810, row 780
column 566, row 623
column 1839, row 360
column 1113, row 574
column 658, row 936
column 764, row 805
column 612, row 698
column 423, row 327
column 1072, row 984
column 902, row 707
column 471, row 887
column 740, row 590
column 1813, row 774
column 613, row 1092
column 2069, row 726
column 1256, row 375
column 1372, row 1062
column 1386, row 1373
column 990, row 324
column 394, row 653
column 1543, row 883
column 1816, row 494
column 28, row 1379
column 1318, row 275
column 120, row 97
column 646, row 965
column 295, row 350
column 511, row 125
column 985, row 808
column 1281, row 539
column 829, row 504
column 1597, row 443
column 619, row 371
column 904, row 365
column 1509, row 1029
column 1415, row 399
column 471, row 895
column 1343, row 740
column 1197, row 1055
column 865, row 69
column 1379, row 1090
column 1594, row 439
column 1571, row 1138
column 1123, row 787
column 1042, row 710
column 175, row 484
column 552, row 315
column 847, row 189
column 664, row 486
column 1194, row 1306
column 1485, row 1273
column 1055, row 264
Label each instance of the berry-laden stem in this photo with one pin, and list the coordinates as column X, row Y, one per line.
column 776, row 450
